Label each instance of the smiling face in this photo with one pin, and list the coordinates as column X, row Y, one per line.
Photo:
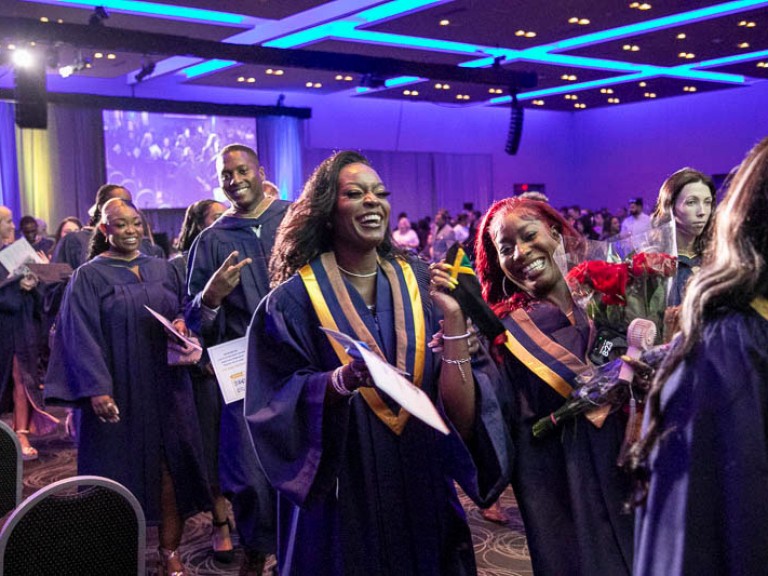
column 122, row 227
column 361, row 216
column 7, row 227
column 525, row 246
column 241, row 176
column 692, row 209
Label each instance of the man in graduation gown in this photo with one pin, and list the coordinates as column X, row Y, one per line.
column 227, row 277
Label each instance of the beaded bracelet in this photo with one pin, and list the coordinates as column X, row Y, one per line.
column 338, row 383
column 459, row 337
column 459, row 364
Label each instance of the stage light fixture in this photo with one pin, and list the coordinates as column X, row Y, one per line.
column 147, row 68
column 99, row 15
column 515, row 126
column 80, row 63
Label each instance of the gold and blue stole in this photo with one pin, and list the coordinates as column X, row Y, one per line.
column 335, row 310
column 554, row 364
column 760, row 305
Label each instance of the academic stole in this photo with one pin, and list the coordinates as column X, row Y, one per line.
column 547, row 359
column 332, row 303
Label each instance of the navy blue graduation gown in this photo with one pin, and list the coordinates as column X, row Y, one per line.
column 707, row 506
column 106, row 342
column 73, row 248
column 366, row 501
column 242, row 479
column 567, row 484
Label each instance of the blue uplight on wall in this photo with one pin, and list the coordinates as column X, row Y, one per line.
column 207, row 67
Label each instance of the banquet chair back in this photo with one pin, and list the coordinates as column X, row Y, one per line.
column 10, row 469
column 80, row 526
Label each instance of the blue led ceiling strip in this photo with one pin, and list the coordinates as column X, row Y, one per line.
column 166, row 10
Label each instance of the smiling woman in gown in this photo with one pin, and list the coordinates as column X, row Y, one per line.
column 363, row 487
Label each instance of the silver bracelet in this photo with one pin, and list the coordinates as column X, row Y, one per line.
column 338, row 383
column 459, row 364
column 459, row 337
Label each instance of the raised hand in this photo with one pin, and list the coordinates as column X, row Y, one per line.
column 224, row 280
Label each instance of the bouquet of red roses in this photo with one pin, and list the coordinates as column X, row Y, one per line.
column 623, row 279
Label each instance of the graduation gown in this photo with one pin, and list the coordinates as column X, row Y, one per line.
column 567, row 484
column 358, row 498
column 106, row 342
column 242, row 479
column 707, row 505
column 20, row 318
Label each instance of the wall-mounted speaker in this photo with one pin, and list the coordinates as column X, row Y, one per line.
column 31, row 97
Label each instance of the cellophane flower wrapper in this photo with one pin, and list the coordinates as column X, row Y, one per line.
column 621, row 279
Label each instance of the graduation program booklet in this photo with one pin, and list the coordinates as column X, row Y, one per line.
column 229, row 362
column 390, row 380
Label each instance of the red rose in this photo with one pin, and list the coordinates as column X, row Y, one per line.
column 608, row 279
column 653, row 263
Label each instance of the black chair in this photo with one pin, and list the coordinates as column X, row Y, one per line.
column 11, row 469
column 85, row 525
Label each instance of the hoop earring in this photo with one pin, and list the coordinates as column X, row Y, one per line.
column 504, row 286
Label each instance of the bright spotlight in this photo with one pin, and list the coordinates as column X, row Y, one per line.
column 23, row 58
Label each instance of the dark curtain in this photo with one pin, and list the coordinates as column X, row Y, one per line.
column 77, row 160
column 10, row 196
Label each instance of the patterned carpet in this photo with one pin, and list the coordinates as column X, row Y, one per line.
column 501, row 550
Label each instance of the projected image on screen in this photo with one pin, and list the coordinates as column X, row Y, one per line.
column 168, row 160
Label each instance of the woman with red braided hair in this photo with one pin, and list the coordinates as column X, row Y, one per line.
column 568, row 486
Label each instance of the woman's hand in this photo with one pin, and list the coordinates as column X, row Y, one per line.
column 473, row 343
column 43, row 257
column 441, row 285
column 181, row 326
column 105, row 408
column 28, row 282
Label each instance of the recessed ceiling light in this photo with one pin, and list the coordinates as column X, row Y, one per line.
column 317, row 85
column 580, row 105
column 241, row 79
column 681, row 36
column 613, row 100
column 538, row 102
column 445, row 22
column 11, row 47
column 411, row 92
column 762, row 64
column 571, row 97
column 98, row 55
column 606, row 90
column 579, row 21
column 348, row 78
column 462, row 96
column 747, row 24
column 43, row 19
column 686, row 55
column 643, row 84
column 689, row 88
column 495, row 90
column 59, row 21
column 111, row 56
column 251, row 80
column 308, row 84
column 631, row 47
column 744, row 45
column 650, row 94
column 527, row 34
column 639, row 6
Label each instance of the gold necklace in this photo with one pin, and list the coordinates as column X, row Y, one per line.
column 355, row 274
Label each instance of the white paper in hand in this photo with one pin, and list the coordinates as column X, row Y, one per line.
column 174, row 334
column 389, row 380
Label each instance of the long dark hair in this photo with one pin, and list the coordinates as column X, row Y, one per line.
column 734, row 273
column 99, row 242
column 670, row 190
column 194, row 222
column 305, row 233
column 489, row 270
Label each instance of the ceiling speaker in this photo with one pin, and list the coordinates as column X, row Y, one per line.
column 31, row 97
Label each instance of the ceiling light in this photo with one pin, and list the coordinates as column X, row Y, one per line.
column 643, row 84
column 278, row 72
column 525, row 33
column 681, row 36
column 744, row 45
column 241, row 79
column 606, row 90
column 762, row 64
column 747, row 24
column 631, row 47
column 538, row 102
column 445, row 22
column 639, row 6
column 583, row 21
column 23, row 58
column 251, row 80
column 573, row 20
column 571, row 97
column 495, row 91
column 98, row 55
column 689, row 88
column 462, row 96
column 650, row 94
column 111, row 56
column 411, row 92
column 570, row 77
column 686, row 55
column 579, row 105
column 613, row 100
column 317, row 85
column 59, row 21
column 43, row 19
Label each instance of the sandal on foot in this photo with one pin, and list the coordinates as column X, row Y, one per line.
column 28, row 452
